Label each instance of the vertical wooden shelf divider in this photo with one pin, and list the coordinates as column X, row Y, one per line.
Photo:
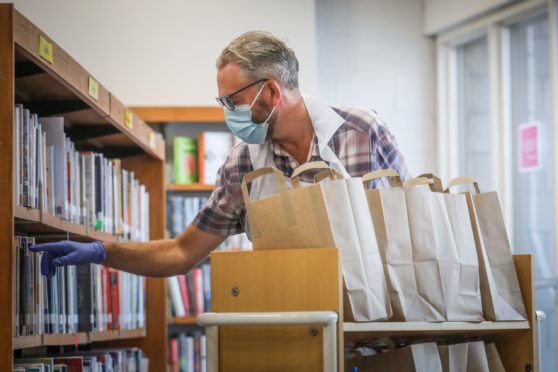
column 6, row 182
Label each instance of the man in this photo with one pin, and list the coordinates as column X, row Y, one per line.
column 257, row 78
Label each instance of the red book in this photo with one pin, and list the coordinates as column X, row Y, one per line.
column 198, row 290
column 74, row 364
column 114, row 298
column 173, row 354
column 184, row 292
column 106, row 296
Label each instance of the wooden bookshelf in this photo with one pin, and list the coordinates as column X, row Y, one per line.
column 97, row 122
column 180, row 114
column 195, row 187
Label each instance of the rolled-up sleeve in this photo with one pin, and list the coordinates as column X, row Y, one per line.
column 224, row 212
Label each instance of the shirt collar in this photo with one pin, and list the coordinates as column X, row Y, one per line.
column 325, row 122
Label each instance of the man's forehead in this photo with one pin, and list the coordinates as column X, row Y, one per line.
column 230, row 78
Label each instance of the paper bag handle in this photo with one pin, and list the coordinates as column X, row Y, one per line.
column 283, row 192
column 304, row 168
column 437, row 185
column 330, row 173
column 417, row 181
column 464, row 180
column 392, row 175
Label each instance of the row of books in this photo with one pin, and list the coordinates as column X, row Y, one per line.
column 81, row 298
column 102, row 360
column 187, row 353
column 83, row 187
column 190, row 294
column 182, row 210
column 198, row 160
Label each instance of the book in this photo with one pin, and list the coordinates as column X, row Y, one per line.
column 185, row 160
column 176, row 299
column 213, row 149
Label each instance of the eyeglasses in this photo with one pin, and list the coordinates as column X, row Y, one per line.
column 227, row 102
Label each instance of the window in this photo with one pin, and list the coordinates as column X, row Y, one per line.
column 495, row 123
column 474, row 146
column 532, row 168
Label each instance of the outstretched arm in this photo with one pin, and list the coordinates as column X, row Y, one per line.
column 158, row 258
column 163, row 257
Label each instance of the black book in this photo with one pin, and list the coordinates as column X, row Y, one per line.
column 85, row 295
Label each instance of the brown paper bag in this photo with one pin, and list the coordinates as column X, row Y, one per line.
column 494, row 362
column 501, row 294
column 464, row 357
column 423, row 357
column 315, row 216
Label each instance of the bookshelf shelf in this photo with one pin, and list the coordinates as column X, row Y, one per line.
column 27, row 214
column 132, row 333
column 65, row 339
column 47, row 226
column 23, row 342
column 187, row 320
column 195, row 187
column 181, row 114
column 103, row 336
column 101, row 236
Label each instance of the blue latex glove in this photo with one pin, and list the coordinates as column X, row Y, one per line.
column 67, row 252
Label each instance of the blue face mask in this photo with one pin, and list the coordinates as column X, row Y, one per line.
column 240, row 123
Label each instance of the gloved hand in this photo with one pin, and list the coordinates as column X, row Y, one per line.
column 67, row 252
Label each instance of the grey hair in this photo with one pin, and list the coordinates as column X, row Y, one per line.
column 260, row 55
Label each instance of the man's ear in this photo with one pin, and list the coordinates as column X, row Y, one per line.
column 275, row 91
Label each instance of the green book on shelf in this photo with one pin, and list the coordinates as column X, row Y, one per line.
column 185, row 160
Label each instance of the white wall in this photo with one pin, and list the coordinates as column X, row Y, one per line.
column 163, row 52
column 372, row 54
column 362, row 53
column 442, row 14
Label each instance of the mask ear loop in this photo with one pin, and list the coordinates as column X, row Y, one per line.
column 257, row 95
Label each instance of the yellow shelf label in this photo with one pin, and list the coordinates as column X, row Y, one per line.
column 93, row 88
column 45, row 49
column 128, row 121
column 152, row 142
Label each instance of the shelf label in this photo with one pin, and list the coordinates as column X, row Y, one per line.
column 128, row 119
column 45, row 49
column 93, row 88
column 152, row 142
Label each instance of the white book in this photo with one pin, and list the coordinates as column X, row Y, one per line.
column 54, row 129
column 32, row 162
column 176, row 298
column 190, row 348
column 16, row 161
column 216, row 148
column 50, row 180
column 203, row 354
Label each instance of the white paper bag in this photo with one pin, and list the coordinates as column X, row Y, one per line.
column 501, row 294
column 464, row 357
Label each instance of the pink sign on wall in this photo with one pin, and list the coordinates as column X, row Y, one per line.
column 529, row 147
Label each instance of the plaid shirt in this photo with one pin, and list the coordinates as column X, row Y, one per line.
column 363, row 144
